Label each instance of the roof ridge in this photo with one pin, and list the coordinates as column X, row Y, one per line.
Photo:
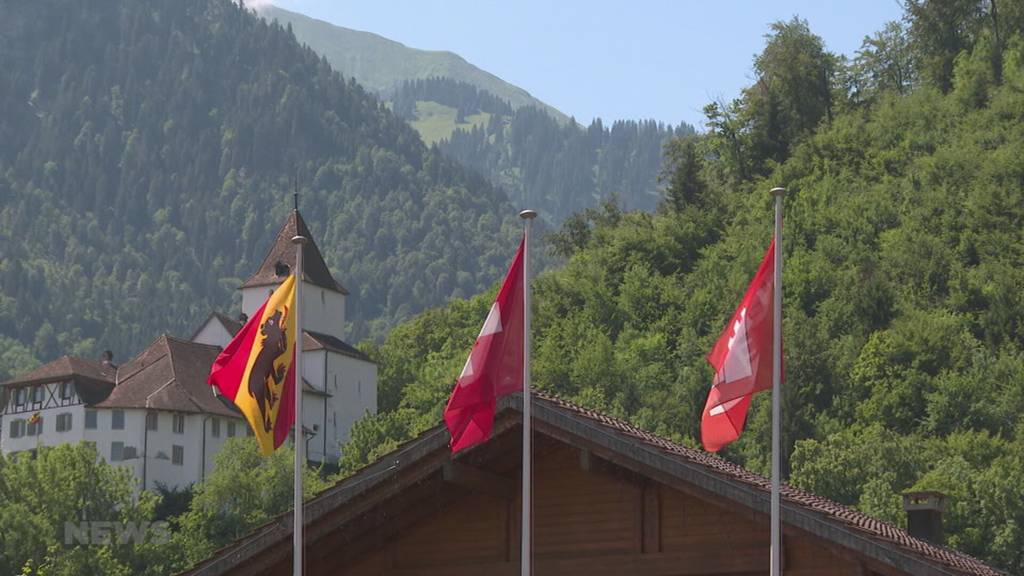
column 788, row 492
column 174, row 374
column 282, row 251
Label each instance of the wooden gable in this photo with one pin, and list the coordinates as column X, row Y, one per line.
column 608, row 499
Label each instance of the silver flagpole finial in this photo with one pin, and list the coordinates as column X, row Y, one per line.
column 528, row 214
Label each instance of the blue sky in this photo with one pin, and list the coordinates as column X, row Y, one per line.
column 658, row 59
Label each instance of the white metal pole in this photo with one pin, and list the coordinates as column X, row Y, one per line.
column 526, row 558
column 300, row 444
column 776, row 548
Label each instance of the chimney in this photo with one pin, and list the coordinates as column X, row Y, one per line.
column 243, row 318
column 107, row 358
column 924, row 515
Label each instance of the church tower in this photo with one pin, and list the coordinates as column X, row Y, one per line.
column 323, row 296
column 340, row 382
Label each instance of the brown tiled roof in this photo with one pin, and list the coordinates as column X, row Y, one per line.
column 317, row 341
column 66, row 368
column 169, row 375
column 314, row 269
column 887, row 543
column 834, row 511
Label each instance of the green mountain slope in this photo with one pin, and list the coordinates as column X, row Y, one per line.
column 903, row 303
column 147, row 151
column 382, row 65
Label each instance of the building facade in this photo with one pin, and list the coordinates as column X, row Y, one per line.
column 157, row 416
column 608, row 499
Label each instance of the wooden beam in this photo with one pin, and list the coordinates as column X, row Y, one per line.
column 377, row 528
column 586, row 461
column 651, row 524
column 742, row 560
column 478, row 480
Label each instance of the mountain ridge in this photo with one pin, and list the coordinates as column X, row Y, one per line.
column 358, row 54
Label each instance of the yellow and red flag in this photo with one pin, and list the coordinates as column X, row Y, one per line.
column 257, row 369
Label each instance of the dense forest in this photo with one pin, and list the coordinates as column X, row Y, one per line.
column 559, row 168
column 904, row 268
column 564, row 169
column 147, row 154
column 464, row 97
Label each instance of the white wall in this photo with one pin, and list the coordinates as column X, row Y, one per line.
column 213, row 333
column 353, row 387
column 49, row 435
column 324, row 310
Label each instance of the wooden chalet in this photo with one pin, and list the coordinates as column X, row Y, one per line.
column 609, row 498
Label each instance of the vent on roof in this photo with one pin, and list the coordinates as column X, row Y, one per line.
column 924, row 515
column 281, row 269
column 107, row 358
column 243, row 317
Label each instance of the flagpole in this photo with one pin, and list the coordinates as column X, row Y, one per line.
column 776, row 547
column 300, row 445
column 526, row 558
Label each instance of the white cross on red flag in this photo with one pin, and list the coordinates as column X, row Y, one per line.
column 742, row 359
column 494, row 367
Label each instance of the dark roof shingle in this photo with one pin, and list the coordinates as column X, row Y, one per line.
column 317, row 341
column 314, row 269
column 66, row 368
column 169, row 375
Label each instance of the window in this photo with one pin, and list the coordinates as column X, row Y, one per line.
column 37, row 395
column 20, row 396
column 248, row 431
column 177, row 455
column 35, row 428
column 216, row 428
column 90, row 419
column 67, row 390
column 151, row 420
column 64, row 422
column 231, row 429
column 17, row 428
column 117, row 419
column 116, row 451
column 179, row 423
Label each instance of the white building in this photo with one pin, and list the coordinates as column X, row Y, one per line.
column 156, row 413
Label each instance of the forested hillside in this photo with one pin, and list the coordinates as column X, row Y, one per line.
column 560, row 169
column 538, row 155
column 382, row 65
column 904, row 277
column 147, row 153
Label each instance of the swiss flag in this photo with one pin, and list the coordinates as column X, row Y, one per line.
column 742, row 359
column 494, row 367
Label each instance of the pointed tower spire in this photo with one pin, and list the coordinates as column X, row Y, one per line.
column 280, row 260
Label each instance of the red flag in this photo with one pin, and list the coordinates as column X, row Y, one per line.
column 742, row 359
column 494, row 367
column 257, row 370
